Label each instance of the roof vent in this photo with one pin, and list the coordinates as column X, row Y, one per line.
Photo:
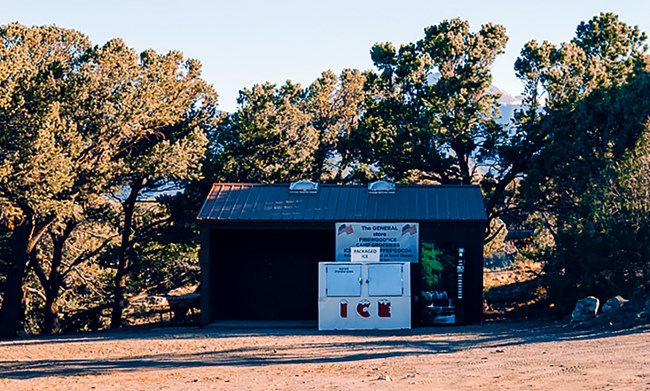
column 381, row 187
column 303, row 187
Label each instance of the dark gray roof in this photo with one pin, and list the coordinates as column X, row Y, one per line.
column 342, row 203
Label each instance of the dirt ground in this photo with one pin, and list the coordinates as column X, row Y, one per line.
column 493, row 356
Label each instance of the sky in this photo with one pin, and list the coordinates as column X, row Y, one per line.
column 245, row 42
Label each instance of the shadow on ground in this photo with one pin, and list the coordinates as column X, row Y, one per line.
column 347, row 347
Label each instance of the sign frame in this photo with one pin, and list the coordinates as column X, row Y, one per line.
column 397, row 241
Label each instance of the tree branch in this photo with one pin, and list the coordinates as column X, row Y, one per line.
column 36, row 292
column 38, row 270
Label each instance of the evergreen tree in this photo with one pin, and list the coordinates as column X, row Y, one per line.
column 78, row 123
column 595, row 113
column 41, row 149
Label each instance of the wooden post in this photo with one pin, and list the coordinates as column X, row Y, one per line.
column 205, row 262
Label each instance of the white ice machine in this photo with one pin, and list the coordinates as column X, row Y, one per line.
column 364, row 296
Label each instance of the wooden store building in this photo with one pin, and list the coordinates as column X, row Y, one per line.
column 261, row 245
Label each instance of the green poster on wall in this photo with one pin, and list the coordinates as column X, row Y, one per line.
column 437, row 298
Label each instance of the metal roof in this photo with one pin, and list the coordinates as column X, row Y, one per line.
column 264, row 202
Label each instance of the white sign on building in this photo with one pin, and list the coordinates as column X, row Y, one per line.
column 364, row 254
column 397, row 242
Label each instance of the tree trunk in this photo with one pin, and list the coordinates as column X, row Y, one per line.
column 12, row 310
column 342, row 166
column 23, row 240
column 52, row 285
column 463, row 162
column 318, row 167
column 123, row 257
column 51, row 324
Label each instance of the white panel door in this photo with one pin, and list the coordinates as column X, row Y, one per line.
column 385, row 279
column 343, row 280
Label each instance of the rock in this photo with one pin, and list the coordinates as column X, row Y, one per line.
column 638, row 298
column 614, row 305
column 643, row 317
column 585, row 310
column 620, row 313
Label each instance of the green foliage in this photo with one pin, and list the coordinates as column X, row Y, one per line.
column 40, row 146
column 43, row 152
column 601, row 249
column 431, row 118
column 286, row 133
column 579, row 183
column 334, row 106
column 159, row 268
column 430, row 260
column 268, row 138
column 428, row 109
column 78, row 124
column 106, row 155
column 617, row 46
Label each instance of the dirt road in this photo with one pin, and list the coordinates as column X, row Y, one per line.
column 501, row 356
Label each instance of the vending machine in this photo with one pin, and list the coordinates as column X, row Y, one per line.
column 364, row 296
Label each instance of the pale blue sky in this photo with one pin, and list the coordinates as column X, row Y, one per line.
column 241, row 43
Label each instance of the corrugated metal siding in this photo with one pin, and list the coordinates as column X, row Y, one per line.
column 244, row 202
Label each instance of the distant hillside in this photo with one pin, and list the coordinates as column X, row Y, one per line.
column 507, row 103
